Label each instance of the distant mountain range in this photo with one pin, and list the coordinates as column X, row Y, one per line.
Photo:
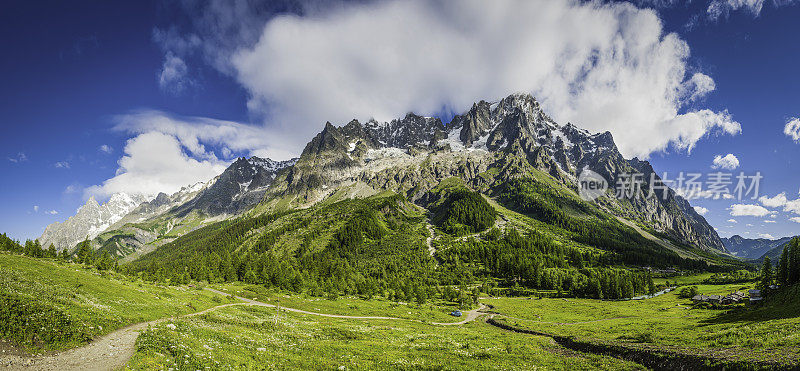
column 753, row 248
column 131, row 221
column 486, row 147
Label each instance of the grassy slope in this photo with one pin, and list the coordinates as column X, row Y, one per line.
column 768, row 332
column 437, row 311
column 251, row 337
column 96, row 304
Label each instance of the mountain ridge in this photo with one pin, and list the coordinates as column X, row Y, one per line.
column 484, row 136
column 486, row 146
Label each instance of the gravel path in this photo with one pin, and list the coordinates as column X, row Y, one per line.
column 112, row 351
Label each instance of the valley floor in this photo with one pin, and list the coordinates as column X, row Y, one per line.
column 135, row 325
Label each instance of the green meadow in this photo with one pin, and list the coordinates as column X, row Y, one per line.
column 745, row 333
column 431, row 311
column 243, row 337
column 50, row 305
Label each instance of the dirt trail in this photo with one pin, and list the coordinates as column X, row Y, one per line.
column 112, row 351
column 109, row 352
column 468, row 315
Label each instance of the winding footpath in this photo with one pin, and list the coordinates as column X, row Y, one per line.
column 112, row 351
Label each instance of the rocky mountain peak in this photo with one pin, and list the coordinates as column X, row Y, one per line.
column 243, row 184
column 515, row 125
column 90, row 220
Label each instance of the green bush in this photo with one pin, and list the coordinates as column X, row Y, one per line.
column 688, row 292
column 31, row 323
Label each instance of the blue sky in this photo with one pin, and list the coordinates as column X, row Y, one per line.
column 87, row 83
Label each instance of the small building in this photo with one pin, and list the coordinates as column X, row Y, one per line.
column 733, row 298
column 755, row 296
column 700, row 298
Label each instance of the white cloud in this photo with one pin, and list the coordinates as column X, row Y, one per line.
column 777, row 201
column 51, row 212
column 727, row 162
column 795, row 219
column 105, row 148
column 770, row 221
column 732, row 221
column 173, row 76
column 169, row 152
column 62, row 165
column 36, row 208
column 601, row 66
column 766, row 235
column 792, row 129
column 195, row 133
column 698, row 86
column 748, row 210
column 718, row 8
column 72, row 188
column 780, row 200
column 701, row 210
column 792, row 206
column 155, row 162
column 20, row 157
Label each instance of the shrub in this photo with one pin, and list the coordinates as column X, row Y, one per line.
column 31, row 323
column 688, row 292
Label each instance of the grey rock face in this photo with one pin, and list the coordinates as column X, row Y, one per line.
column 514, row 127
column 240, row 187
column 90, row 220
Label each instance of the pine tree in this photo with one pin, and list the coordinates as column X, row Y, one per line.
column 766, row 274
column 51, row 251
column 104, row 262
column 85, row 253
column 782, row 275
column 794, row 262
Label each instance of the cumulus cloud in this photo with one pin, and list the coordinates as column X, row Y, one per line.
column 168, row 152
column 105, row 148
column 36, row 208
column 770, row 221
column 748, row 210
column 732, row 221
column 792, row 129
column 795, row 219
column 777, row 201
column 155, row 162
column 766, row 235
column 792, row 206
column 780, row 200
column 701, row 210
column 196, row 133
column 601, row 66
column 727, row 162
column 51, row 212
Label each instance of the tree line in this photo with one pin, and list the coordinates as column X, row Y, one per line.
column 84, row 253
column 787, row 271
